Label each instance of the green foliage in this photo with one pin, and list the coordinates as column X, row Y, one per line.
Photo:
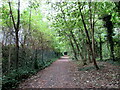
column 116, row 63
column 12, row 79
column 64, row 32
column 117, row 51
column 36, row 64
column 68, row 19
column 50, row 62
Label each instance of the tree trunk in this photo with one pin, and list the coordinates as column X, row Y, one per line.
column 17, row 50
column 16, row 27
column 111, row 48
column 89, row 53
column 42, row 53
column 42, row 48
column 36, row 61
column 92, row 27
column 86, row 31
column 29, row 21
column 75, row 54
column 78, row 49
column 109, row 26
column 100, row 48
column 85, row 55
column 9, row 56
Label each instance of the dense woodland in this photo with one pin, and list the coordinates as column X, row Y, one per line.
column 32, row 40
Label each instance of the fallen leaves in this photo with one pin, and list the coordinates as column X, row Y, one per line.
column 106, row 77
column 67, row 75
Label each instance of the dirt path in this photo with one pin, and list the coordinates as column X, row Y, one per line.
column 64, row 73
column 58, row 75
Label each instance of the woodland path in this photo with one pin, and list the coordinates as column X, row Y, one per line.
column 58, row 75
column 64, row 73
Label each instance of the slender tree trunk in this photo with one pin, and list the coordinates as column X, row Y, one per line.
column 42, row 48
column 29, row 20
column 85, row 55
column 112, row 48
column 9, row 56
column 17, row 36
column 86, row 31
column 36, row 59
column 89, row 53
column 16, row 27
column 90, row 61
column 3, row 40
column 100, row 48
column 30, row 15
column 92, row 27
column 83, row 48
column 75, row 54
column 42, row 53
column 17, row 50
column 78, row 49
column 72, row 34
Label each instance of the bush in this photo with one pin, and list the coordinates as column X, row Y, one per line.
column 12, row 79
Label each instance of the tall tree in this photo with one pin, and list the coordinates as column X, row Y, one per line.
column 109, row 26
column 16, row 27
column 88, row 37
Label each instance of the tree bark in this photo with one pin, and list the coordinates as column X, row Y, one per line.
column 92, row 27
column 9, row 56
column 16, row 27
column 100, row 48
column 75, row 54
column 73, row 37
column 86, row 31
column 78, row 49
column 109, row 26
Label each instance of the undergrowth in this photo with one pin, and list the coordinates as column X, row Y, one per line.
column 11, row 80
column 89, row 68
